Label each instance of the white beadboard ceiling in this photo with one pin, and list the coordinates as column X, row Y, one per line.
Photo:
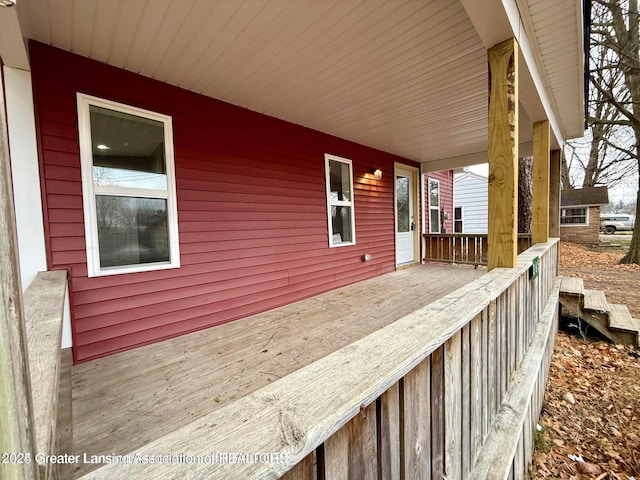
column 404, row 76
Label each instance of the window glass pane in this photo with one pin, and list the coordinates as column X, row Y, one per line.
column 570, row 216
column 402, row 198
column 434, row 194
column 341, row 224
column 128, row 151
column 339, row 181
column 434, row 221
column 132, row 230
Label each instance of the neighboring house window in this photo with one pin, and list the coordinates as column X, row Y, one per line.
column 339, row 180
column 128, row 187
column 434, row 205
column 457, row 220
column 574, row 216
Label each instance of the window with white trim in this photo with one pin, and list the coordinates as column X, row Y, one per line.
column 458, row 225
column 339, row 181
column 574, row 216
column 128, row 187
column 434, row 205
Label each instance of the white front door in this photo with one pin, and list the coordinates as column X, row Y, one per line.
column 405, row 221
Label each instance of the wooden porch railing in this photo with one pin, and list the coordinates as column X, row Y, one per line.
column 463, row 248
column 452, row 391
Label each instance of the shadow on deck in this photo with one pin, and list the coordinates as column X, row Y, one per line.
column 124, row 401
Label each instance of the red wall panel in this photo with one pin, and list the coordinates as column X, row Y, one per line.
column 251, row 210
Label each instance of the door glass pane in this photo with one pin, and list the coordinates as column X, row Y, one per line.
column 341, row 224
column 402, row 205
column 434, row 194
column 132, row 230
column 128, row 151
column 339, row 181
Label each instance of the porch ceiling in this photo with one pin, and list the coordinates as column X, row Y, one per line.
column 407, row 77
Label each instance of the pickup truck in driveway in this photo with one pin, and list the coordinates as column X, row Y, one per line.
column 611, row 223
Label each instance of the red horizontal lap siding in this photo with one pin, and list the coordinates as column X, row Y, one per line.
column 251, row 210
column 446, row 196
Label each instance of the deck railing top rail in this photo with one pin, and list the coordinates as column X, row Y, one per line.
column 292, row 416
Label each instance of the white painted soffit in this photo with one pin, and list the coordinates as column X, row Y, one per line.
column 406, row 77
column 551, row 62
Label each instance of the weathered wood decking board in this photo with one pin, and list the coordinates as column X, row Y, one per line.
column 595, row 300
column 332, row 399
column 126, row 400
column 43, row 311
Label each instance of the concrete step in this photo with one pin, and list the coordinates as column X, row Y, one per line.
column 572, row 286
column 596, row 301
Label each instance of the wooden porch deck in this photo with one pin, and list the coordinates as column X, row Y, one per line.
column 126, row 400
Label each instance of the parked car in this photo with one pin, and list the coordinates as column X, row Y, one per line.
column 616, row 222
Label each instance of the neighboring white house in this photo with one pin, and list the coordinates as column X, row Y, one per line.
column 470, row 203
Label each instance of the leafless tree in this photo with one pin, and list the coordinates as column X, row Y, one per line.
column 614, row 77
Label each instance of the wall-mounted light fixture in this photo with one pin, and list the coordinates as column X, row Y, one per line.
column 376, row 172
column 7, row 3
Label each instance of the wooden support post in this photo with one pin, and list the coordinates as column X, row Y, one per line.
column 503, row 155
column 541, row 168
column 554, row 195
column 16, row 413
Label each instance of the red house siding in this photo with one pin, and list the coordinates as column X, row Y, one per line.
column 251, row 210
column 446, row 196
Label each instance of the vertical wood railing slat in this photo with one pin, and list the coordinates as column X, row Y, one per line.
column 476, row 392
column 437, row 413
column 389, row 443
column 453, row 406
column 304, row 470
column 486, row 404
column 466, row 401
column 417, row 422
column 351, row 453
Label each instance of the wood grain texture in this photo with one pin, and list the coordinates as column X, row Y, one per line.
column 16, row 414
column 241, row 357
column 297, row 413
column 43, row 311
column 554, row 194
column 465, row 450
column 496, row 458
column 437, row 413
column 351, row 453
column 503, row 154
column 389, row 451
column 64, row 426
column 476, row 391
column 541, row 181
column 417, row 422
column 453, row 407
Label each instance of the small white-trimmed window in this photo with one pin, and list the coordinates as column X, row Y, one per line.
column 128, row 187
column 574, row 216
column 458, row 222
column 434, row 205
column 339, row 180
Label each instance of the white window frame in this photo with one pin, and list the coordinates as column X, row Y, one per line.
column 431, row 229
column 90, row 190
column 586, row 224
column 339, row 203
